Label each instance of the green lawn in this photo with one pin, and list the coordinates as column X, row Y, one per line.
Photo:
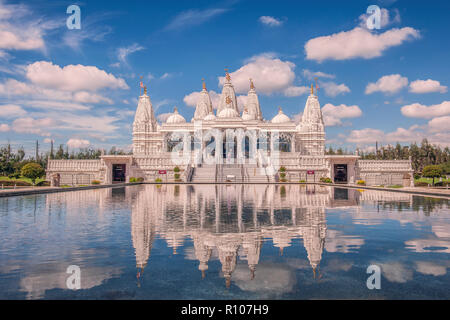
column 430, row 180
column 21, row 179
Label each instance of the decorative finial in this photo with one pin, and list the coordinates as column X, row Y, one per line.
column 312, row 89
column 280, row 110
column 204, row 84
column 175, row 109
column 252, row 86
column 227, row 74
column 145, row 89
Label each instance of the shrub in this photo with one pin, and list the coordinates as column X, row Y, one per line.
column 421, row 184
column 43, row 184
column 283, row 169
column 416, row 176
column 32, row 171
column 302, row 181
column 158, row 180
column 396, row 186
column 95, row 182
column 441, row 184
column 133, row 179
column 326, row 180
column 140, row 179
column 176, row 169
column 282, row 175
column 177, row 176
column 15, row 175
column 11, row 183
column 361, row 183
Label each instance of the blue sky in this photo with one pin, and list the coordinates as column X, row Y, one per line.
column 81, row 86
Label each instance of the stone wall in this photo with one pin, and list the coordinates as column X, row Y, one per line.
column 74, row 172
column 385, row 172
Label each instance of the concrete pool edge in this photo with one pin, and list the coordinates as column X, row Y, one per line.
column 420, row 192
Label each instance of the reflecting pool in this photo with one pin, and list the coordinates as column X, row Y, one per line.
column 224, row 242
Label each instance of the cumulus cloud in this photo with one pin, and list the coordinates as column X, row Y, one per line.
column 11, row 111
column 78, row 143
column 333, row 89
column 163, row 117
column 270, row 21
column 295, row 91
column 4, row 127
column 269, row 75
column 417, row 110
column 357, row 43
column 333, row 115
column 34, row 126
column 191, row 99
column 439, row 124
column 427, row 86
column 388, row 84
column 367, row 135
column 19, row 31
column 72, row 77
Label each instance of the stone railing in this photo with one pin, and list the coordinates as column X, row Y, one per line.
column 74, row 165
column 384, row 165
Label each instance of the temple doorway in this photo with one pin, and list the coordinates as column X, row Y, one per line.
column 340, row 173
column 118, row 173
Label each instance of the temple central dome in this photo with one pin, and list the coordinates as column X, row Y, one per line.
column 228, row 113
column 280, row 117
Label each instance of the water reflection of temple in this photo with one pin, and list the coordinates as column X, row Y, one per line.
column 232, row 220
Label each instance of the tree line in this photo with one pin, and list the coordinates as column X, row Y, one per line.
column 12, row 161
column 422, row 155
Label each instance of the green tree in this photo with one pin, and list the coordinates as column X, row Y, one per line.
column 32, row 171
column 432, row 171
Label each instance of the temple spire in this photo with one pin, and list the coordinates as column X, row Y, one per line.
column 252, row 86
column 204, row 84
column 312, row 89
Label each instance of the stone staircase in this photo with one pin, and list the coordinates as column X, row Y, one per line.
column 205, row 173
column 254, row 174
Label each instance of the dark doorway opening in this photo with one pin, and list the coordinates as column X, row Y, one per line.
column 340, row 173
column 119, row 173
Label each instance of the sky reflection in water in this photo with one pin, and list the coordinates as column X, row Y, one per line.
column 224, row 242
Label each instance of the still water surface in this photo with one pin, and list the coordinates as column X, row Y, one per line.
column 224, row 242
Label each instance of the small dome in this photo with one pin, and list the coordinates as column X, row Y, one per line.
column 210, row 117
column 280, row 117
column 175, row 118
column 228, row 113
column 247, row 116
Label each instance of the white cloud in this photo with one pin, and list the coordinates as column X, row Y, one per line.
column 333, row 115
column 269, row 75
column 439, row 124
column 72, row 77
column 193, row 17
column 4, row 128
column 11, row 111
column 388, row 84
column 78, row 143
column 367, row 135
column 310, row 75
column 270, row 21
column 294, row 91
column 356, row 43
column 333, row 89
column 87, row 97
column 34, row 126
column 426, row 86
column 123, row 53
column 418, row 110
column 192, row 98
column 20, row 31
column 163, row 117
column 48, row 140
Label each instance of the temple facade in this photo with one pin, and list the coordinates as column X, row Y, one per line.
column 228, row 145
